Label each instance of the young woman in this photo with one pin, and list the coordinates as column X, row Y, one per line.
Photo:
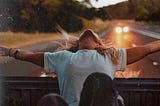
column 88, row 55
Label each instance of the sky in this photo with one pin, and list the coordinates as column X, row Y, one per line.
column 101, row 3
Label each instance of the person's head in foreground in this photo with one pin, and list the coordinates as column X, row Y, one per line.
column 52, row 100
column 98, row 90
column 90, row 40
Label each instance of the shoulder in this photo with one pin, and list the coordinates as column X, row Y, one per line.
column 114, row 51
column 121, row 50
column 57, row 54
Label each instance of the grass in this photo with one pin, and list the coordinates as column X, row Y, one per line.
column 96, row 24
column 11, row 39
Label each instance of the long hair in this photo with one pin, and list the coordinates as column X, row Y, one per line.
column 98, row 90
column 111, row 51
column 101, row 48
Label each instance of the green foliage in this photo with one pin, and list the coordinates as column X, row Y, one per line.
column 44, row 15
column 89, row 13
column 119, row 11
column 148, row 10
column 141, row 10
column 143, row 14
column 51, row 6
column 71, row 24
column 102, row 14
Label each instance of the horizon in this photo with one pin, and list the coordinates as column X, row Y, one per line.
column 102, row 3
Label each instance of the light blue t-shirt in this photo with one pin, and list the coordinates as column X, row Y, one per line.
column 73, row 68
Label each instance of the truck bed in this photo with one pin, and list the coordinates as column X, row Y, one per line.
column 26, row 91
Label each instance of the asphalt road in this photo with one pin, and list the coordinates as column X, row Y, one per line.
column 149, row 67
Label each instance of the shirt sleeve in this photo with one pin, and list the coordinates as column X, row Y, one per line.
column 122, row 61
column 51, row 61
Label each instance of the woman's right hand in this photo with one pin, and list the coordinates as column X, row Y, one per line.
column 4, row 51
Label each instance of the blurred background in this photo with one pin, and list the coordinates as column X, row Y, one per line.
column 50, row 25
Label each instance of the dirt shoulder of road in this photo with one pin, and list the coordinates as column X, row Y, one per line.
column 19, row 39
column 11, row 39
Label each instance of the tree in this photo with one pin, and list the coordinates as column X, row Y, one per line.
column 148, row 10
column 44, row 15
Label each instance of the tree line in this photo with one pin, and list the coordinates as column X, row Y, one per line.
column 45, row 15
column 139, row 10
column 148, row 10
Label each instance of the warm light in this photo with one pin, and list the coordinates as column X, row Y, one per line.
column 126, row 37
column 125, row 29
column 134, row 45
column 43, row 75
column 118, row 30
column 155, row 63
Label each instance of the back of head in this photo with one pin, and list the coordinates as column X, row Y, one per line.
column 52, row 100
column 89, row 33
column 90, row 40
column 98, row 90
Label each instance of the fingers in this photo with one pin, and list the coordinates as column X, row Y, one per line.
column 2, row 53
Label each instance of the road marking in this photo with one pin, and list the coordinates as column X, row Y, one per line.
column 146, row 33
column 134, row 45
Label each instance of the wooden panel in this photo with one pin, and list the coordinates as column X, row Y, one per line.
column 26, row 91
column 139, row 92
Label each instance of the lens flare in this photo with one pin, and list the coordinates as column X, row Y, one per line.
column 118, row 30
column 125, row 29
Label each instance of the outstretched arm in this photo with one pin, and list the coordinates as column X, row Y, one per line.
column 136, row 53
column 34, row 57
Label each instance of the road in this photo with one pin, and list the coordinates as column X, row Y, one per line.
column 149, row 67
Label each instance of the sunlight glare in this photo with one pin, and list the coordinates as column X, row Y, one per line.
column 126, row 37
column 118, row 30
column 134, row 45
column 125, row 29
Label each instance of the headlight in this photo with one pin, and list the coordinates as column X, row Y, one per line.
column 125, row 29
column 118, row 30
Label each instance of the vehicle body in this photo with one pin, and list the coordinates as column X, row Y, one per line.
column 26, row 91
